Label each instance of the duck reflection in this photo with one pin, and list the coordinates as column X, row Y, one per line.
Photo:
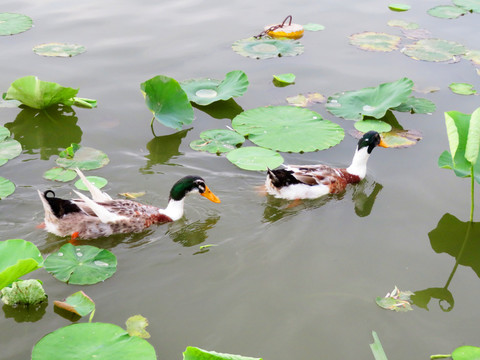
column 192, row 234
column 34, row 128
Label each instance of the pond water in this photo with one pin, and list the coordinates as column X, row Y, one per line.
column 283, row 282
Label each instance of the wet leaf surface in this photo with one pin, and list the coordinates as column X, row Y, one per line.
column 374, row 41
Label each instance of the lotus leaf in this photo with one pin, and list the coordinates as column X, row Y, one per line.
column 396, row 138
column 303, row 100
column 285, row 78
column 473, row 56
column 78, row 303
column 17, row 258
column 98, row 181
column 59, row 49
column 6, row 187
column 396, row 300
column 371, row 101
column 9, row 148
column 11, row 23
column 60, row 174
column 167, row 101
column 85, row 158
column 98, row 341
column 417, row 34
column 447, row 11
column 416, row 105
column 399, row 7
column 4, row 133
column 81, row 265
column 217, row 141
column 255, row 158
column 286, row 128
column 207, row 91
column 466, row 353
column 194, row 353
column 434, row 50
column 403, row 24
column 313, row 27
column 136, row 326
column 470, row 5
column 377, row 125
column 25, row 292
column 373, row 41
column 267, row 48
column 457, row 88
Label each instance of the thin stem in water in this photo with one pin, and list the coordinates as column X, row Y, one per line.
column 472, row 193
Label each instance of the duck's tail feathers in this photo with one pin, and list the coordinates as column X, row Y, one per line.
column 103, row 214
column 55, row 207
column 97, row 194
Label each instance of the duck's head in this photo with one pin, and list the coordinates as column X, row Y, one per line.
column 191, row 184
column 370, row 140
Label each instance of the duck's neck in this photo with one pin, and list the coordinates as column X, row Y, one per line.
column 174, row 209
column 359, row 163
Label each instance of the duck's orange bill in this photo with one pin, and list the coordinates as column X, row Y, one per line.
column 210, row 195
column 383, row 144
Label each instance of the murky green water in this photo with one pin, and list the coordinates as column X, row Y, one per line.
column 283, row 282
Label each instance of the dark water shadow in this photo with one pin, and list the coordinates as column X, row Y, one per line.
column 25, row 313
column 191, row 234
column 223, row 109
column 45, row 131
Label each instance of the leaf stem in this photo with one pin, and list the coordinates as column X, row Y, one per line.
column 472, row 188
column 151, row 127
column 91, row 316
column 440, row 356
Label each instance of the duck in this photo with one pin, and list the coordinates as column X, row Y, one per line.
column 313, row 181
column 100, row 215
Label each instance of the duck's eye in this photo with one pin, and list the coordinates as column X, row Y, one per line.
column 201, row 188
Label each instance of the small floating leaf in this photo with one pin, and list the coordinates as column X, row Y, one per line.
column 399, row 7
column 313, row 27
column 417, row 34
column 416, row 105
column 60, row 174
column 11, row 23
column 459, row 88
column 397, row 138
column 287, row 128
column 81, row 265
column 466, row 353
column 473, row 56
column 470, row 5
column 255, row 158
column 6, row 188
column 447, row 11
column 25, row 292
column 267, row 48
column 98, row 181
column 167, row 101
column 217, row 141
column 194, row 353
column 136, row 326
column 85, row 158
column 59, row 49
column 373, row 41
column 132, row 195
column 427, row 90
column 304, row 100
column 368, row 125
column 285, row 78
column 4, row 133
column 9, row 148
column 434, row 50
column 403, row 24
column 207, row 91
column 78, row 303
column 396, row 300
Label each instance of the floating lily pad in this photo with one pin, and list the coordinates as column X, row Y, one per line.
column 447, row 11
column 373, row 41
column 399, row 7
column 473, row 56
column 98, row 341
column 6, row 188
column 304, row 100
column 417, row 34
column 4, row 133
column 194, row 353
column 85, row 158
column 459, row 88
column 434, row 50
column 403, row 24
column 267, row 48
column 470, row 5
column 416, row 105
column 287, row 128
column 427, row 90
column 217, row 141
column 136, row 326
column 207, row 91
column 11, row 23
column 397, row 138
column 17, row 258
column 255, row 158
column 81, row 265
column 60, row 174
column 285, row 78
column 371, row 101
column 376, row 125
column 24, row 292
column 59, row 49
column 9, row 148
column 98, row 181
column 78, row 303
column 132, row 195
column 313, row 27
column 167, row 101
column 396, row 300
column 466, row 352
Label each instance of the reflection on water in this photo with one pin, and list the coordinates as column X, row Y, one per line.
column 25, row 313
column 47, row 130
column 191, row 234
column 223, row 109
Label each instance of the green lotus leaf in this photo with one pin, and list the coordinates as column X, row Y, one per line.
column 377, row 125
column 447, row 11
column 11, row 23
column 78, row 303
column 287, row 128
column 397, row 138
column 304, row 100
column 434, row 50
column 59, row 49
column 17, row 258
column 470, row 5
column 85, row 158
column 403, row 24
column 416, row 105
column 4, row 133
column 167, row 101
column 6, row 187
column 9, row 149
column 255, row 158
column 313, row 27
column 207, row 91
column 25, row 292
column 99, row 341
column 217, row 141
column 267, row 48
column 194, row 353
column 466, row 353
column 60, row 174
column 457, row 88
column 396, row 300
column 371, row 101
column 285, row 78
column 136, row 326
column 373, row 41
column 473, row 56
column 399, row 7
column 81, row 265
column 98, row 181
